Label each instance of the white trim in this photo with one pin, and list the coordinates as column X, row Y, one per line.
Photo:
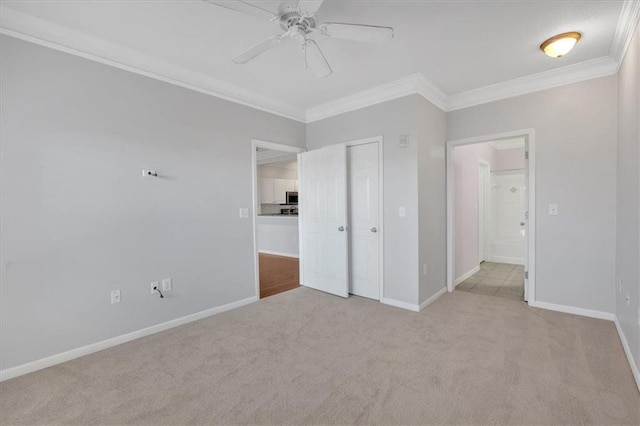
column 627, row 351
column 629, row 16
column 45, row 33
column 380, row 141
column 587, row 70
column 413, row 84
column 279, row 253
column 259, row 143
column 432, row 299
column 52, row 360
column 466, row 275
column 572, row 310
column 529, row 135
column 530, row 257
column 485, row 241
column 300, row 225
column 399, row 304
column 508, row 260
column 508, row 144
column 36, row 30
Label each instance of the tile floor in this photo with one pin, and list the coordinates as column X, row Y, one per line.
column 496, row 279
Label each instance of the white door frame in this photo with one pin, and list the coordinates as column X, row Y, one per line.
column 484, row 188
column 257, row 143
column 379, row 140
column 530, row 166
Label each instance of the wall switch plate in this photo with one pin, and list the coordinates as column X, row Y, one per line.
column 167, row 285
column 244, row 212
column 403, row 141
column 115, row 296
column 620, row 286
column 402, row 212
column 153, row 285
column 553, row 209
column 628, row 299
column 424, row 269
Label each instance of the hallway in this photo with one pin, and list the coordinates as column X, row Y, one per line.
column 496, row 279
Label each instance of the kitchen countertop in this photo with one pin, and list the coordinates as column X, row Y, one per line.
column 277, row 215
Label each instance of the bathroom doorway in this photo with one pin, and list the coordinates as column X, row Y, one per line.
column 489, row 225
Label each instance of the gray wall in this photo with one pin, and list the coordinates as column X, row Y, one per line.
column 575, row 135
column 390, row 120
column 432, row 186
column 628, row 196
column 78, row 220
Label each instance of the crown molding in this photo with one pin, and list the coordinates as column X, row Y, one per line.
column 627, row 23
column 30, row 28
column 587, row 70
column 413, row 84
column 36, row 30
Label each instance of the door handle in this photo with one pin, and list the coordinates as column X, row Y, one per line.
column 374, row 229
column 522, row 223
column 341, row 228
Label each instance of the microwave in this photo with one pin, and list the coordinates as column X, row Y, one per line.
column 292, row 197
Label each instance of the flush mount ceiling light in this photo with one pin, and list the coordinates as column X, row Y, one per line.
column 560, row 45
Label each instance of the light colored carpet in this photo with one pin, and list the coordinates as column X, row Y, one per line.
column 304, row 357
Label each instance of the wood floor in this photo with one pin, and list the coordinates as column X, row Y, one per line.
column 277, row 274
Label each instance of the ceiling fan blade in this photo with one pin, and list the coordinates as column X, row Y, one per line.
column 246, row 8
column 287, row 6
column 258, row 49
column 308, row 8
column 315, row 60
column 357, row 32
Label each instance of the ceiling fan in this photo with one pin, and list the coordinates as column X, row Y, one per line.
column 296, row 18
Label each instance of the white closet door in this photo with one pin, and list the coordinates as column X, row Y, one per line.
column 323, row 220
column 364, row 220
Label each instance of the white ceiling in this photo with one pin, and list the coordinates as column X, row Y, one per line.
column 277, row 158
column 457, row 45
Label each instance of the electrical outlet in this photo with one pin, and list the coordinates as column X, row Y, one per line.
column 628, row 299
column 115, row 296
column 167, row 285
column 154, row 285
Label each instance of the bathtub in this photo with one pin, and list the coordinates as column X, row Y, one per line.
column 508, row 250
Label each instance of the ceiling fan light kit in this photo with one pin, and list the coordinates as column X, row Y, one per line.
column 296, row 18
column 561, row 44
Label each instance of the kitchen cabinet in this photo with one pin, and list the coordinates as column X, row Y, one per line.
column 279, row 191
column 266, row 191
column 274, row 191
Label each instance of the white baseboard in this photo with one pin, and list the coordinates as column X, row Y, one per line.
column 279, row 253
column 466, row 275
column 627, row 351
column 509, row 260
column 399, row 304
column 433, row 298
column 52, row 360
column 573, row 310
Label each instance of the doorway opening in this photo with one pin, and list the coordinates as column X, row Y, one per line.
column 490, row 215
column 275, row 218
column 341, row 219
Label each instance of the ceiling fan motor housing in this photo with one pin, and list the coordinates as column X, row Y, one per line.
column 294, row 19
